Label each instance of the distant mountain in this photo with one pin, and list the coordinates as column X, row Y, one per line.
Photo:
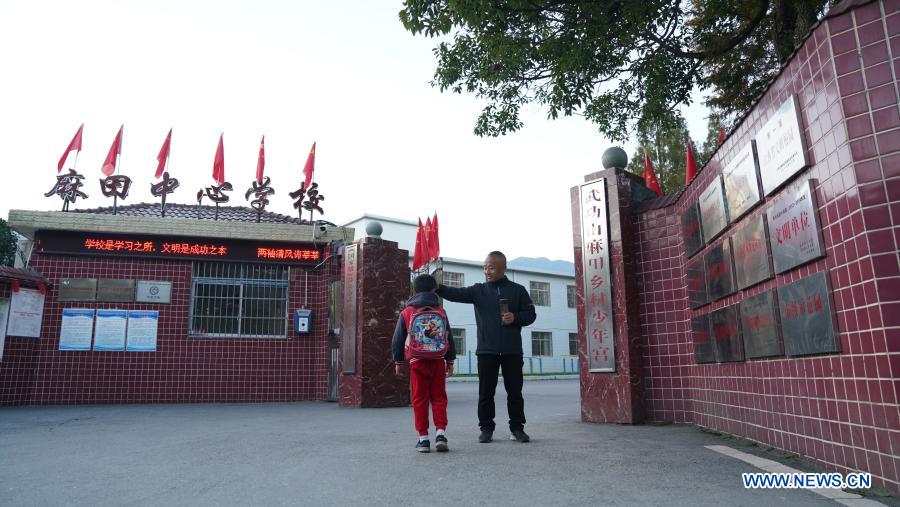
column 543, row 264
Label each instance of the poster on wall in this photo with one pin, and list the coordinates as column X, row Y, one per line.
column 26, row 311
column 781, row 146
column 77, row 329
column 4, row 312
column 110, row 331
column 141, row 330
column 741, row 182
column 795, row 235
column 597, row 281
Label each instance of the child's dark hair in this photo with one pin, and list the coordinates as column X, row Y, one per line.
column 424, row 283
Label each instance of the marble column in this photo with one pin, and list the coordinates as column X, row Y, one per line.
column 380, row 275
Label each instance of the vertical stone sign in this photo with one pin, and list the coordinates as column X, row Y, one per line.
column 759, row 321
column 690, row 230
column 807, row 321
column 781, row 146
column 348, row 327
column 719, row 272
column 704, row 348
column 696, row 283
column 713, row 214
column 598, row 314
column 725, row 327
column 751, row 253
column 794, row 231
column 741, row 182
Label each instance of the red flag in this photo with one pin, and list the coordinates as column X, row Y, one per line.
column 434, row 243
column 219, row 162
column 109, row 165
column 419, row 253
column 74, row 144
column 426, row 239
column 721, row 135
column 691, row 169
column 310, row 166
column 163, row 156
column 261, row 162
column 650, row 176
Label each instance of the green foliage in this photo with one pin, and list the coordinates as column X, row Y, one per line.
column 666, row 148
column 7, row 245
column 622, row 65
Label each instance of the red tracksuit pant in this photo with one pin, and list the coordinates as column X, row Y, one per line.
column 427, row 378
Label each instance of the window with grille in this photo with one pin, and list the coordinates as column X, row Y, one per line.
column 573, row 344
column 570, row 295
column 459, row 341
column 540, row 293
column 541, row 343
column 452, row 279
column 238, row 300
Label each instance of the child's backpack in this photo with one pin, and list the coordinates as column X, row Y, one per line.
column 426, row 332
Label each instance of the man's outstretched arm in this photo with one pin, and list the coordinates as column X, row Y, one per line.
column 457, row 294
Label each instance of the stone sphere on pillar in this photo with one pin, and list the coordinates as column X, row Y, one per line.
column 374, row 229
column 614, row 157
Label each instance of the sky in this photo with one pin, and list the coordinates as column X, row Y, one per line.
column 343, row 74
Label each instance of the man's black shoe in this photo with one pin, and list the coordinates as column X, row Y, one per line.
column 440, row 443
column 423, row 446
column 486, row 436
column 519, row 436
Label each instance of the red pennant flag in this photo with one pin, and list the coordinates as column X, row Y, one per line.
column 426, row 239
column 721, row 135
column 419, row 253
column 74, row 144
column 261, row 162
column 310, row 166
column 112, row 158
column 163, row 156
column 650, row 176
column 219, row 162
column 691, row 169
column 434, row 243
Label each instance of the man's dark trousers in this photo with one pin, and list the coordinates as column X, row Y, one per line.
column 489, row 366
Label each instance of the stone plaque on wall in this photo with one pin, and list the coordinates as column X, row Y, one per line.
column 781, row 146
column 719, row 271
column 348, row 327
column 807, row 322
column 690, row 230
column 725, row 328
column 597, row 282
column 794, row 231
column 115, row 290
column 741, row 182
column 77, row 289
column 704, row 348
column 751, row 253
column 759, row 322
column 152, row 291
column 696, row 283
column 713, row 215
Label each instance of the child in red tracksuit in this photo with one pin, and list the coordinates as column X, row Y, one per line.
column 430, row 359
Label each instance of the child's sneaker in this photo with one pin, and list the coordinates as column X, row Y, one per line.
column 423, row 446
column 440, row 443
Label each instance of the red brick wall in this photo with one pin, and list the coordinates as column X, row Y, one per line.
column 182, row 370
column 840, row 409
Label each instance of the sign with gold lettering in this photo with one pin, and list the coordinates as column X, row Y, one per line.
column 725, row 328
column 751, row 253
column 704, row 348
column 741, row 182
column 598, row 305
column 690, row 230
column 807, row 321
column 759, row 321
column 794, row 232
column 713, row 214
column 781, row 146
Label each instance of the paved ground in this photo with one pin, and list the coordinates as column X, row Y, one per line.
column 320, row 454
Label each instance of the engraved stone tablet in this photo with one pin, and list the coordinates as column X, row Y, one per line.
column 781, row 146
column 690, row 230
column 726, row 333
column 719, row 272
column 751, row 253
column 696, row 283
column 794, row 231
column 807, row 322
column 77, row 289
column 713, row 214
column 704, row 348
column 112, row 290
column 759, row 323
column 741, row 182
column 149, row 291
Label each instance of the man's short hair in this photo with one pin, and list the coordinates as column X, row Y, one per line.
column 424, row 283
column 498, row 254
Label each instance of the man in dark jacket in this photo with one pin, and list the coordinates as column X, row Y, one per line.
column 502, row 308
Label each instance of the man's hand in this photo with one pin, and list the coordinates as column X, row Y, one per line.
column 449, row 369
column 398, row 369
column 508, row 318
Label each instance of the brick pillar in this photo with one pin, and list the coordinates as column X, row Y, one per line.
column 377, row 272
column 615, row 397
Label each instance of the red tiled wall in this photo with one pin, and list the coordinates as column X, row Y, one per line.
column 182, row 370
column 840, row 409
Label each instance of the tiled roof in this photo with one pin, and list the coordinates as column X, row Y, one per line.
column 25, row 275
column 226, row 213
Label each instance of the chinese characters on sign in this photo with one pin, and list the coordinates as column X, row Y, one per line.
column 741, row 182
column 310, row 204
column 781, row 146
column 348, row 327
column 807, row 322
column 751, row 253
column 696, row 283
column 287, row 253
column 68, row 188
column 216, row 194
column 598, row 304
column 690, row 230
column 713, row 214
column 719, row 272
column 261, row 193
column 760, row 324
column 165, row 186
column 726, row 331
column 794, row 232
column 704, row 348
column 115, row 186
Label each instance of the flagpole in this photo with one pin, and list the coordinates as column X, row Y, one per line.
column 658, row 160
column 76, row 159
